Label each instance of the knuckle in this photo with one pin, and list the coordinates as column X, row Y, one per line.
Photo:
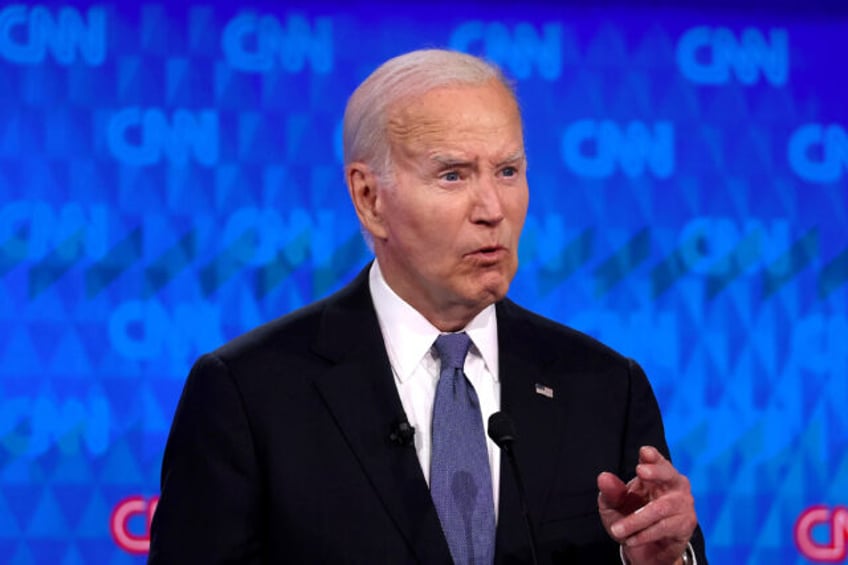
column 669, row 529
column 663, row 507
column 691, row 523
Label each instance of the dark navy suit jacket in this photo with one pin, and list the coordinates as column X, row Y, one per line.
column 279, row 451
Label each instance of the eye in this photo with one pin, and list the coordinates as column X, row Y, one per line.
column 451, row 176
column 509, row 171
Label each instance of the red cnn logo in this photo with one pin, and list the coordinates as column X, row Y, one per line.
column 820, row 515
column 119, row 523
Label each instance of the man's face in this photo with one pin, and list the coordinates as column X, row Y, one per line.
column 447, row 240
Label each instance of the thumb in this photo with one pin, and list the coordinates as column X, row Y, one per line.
column 612, row 490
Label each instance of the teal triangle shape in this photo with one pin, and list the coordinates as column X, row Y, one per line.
column 176, row 69
column 10, row 137
column 72, row 556
column 94, row 520
column 47, row 305
column 20, row 356
column 154, row 418
column 47, row 519
column 71, row 500
column 249, row 311
column 22, row 555
column 9, row 526
column 655, row 50
column 167, row 393
column 723, row 533
column 70, row 357
column 120, row 467
column 129, row 69
column 73, row 469
column 8, row 547
column 203, row 31
column 607, row 48
column 45, row 335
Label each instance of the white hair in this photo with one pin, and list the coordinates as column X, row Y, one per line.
column 404, row 77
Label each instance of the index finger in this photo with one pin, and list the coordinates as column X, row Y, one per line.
column 655, row 468
column 650, row 454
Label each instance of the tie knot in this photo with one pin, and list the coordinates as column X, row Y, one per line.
column 452, row 349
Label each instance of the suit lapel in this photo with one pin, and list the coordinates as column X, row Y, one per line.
column 360, row 393
column 523, row 365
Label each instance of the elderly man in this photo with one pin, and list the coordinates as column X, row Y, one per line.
column 353, row 430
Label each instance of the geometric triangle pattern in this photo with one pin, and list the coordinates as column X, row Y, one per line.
column 165, row 187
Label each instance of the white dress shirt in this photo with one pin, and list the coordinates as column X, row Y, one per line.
column 409, row 339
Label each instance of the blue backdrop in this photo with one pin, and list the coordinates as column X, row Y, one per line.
column 170, row 176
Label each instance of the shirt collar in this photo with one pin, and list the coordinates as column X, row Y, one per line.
column 409, row 335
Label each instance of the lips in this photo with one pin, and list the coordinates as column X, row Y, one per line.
column 488, row 249
column 491, row 253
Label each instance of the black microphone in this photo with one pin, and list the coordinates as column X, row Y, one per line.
column 502, row 432
column 402, row 434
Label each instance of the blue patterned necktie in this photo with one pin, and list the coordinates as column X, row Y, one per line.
column 460, row 479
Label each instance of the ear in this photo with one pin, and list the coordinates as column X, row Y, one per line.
column 362, row 185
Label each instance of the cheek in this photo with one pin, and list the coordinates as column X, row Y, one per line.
column 422, row 233
column 517, row 207
column 433, row 225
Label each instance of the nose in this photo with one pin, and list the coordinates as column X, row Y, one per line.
column 487, row 207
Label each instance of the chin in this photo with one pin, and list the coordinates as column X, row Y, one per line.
column 493, row 291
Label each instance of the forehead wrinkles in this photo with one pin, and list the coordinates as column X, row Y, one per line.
column 418, row 128
column 405, row 127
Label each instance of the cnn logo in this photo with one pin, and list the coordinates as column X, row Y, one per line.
column 822, row 518
column 119, row 523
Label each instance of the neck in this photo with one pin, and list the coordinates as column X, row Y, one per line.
column 445, row 315
column 448, row 318
column 448, row 324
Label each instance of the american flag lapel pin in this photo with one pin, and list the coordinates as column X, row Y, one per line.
column 544, row 390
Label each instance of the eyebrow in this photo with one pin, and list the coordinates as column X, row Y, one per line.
column 451, row 160
column 517, row 156
column 455, row 161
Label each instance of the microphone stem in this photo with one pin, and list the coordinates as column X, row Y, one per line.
column 531, row 534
